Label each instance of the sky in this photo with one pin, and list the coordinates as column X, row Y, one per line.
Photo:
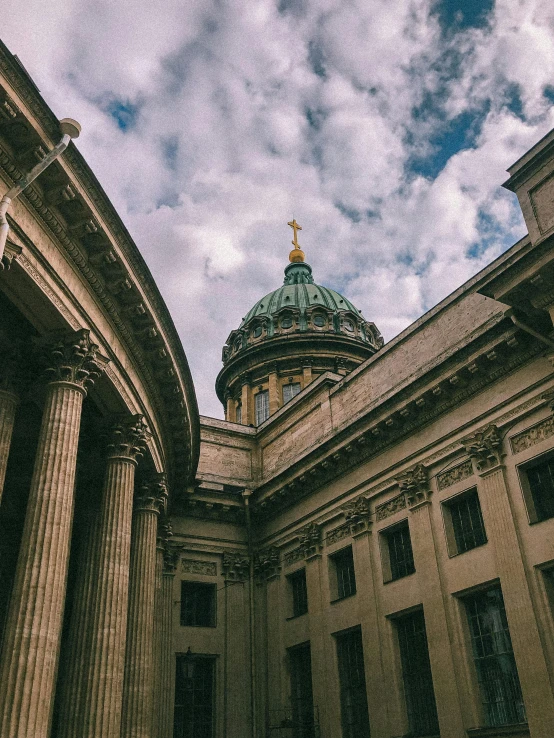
column 385, row 127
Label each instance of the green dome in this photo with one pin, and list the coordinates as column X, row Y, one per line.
column 299, row 292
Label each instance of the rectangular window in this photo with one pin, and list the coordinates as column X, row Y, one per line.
column 353, row 695
column 398, row 559
column 194, row 697
column 299, row 592
column 343, row 570
column 290, row 390
column 464, row 522
column 239, row 412
column 540, row 479
column 262, row 407
column 198, row 604
column 494, row 658
column 302, row 700
column 416, row 675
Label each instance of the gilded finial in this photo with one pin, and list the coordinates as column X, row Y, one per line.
column 296, row 255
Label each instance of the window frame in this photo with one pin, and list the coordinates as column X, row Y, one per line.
column 452, row 541
column 262, row 393
column 385, row 536
column 349, row 687
column 213, row 610
column 528, row 496
column 186, row 691
column 337, row 581
column 293, row 395
column 292, row 579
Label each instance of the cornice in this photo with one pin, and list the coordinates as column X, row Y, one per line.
column 399, row 417
column 155, row 351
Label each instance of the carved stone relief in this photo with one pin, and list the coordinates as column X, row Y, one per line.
column 192, row 566
column 450, row 477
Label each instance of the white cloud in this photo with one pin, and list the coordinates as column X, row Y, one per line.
column 242, row 115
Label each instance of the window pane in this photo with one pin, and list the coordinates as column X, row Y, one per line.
column 416, row 674
column 197, row 604
column 400, row 552
column 344, row 568
column 467, row 522
column 290, row 391
column 299, row 592
column 494, row 659
column 194, row 697
column 239, row 413
column 301, row 692
column 262, row 407
column 541, row 482
column 354, row 714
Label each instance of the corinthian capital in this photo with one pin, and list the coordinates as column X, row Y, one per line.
column 72, row 357
column 415, row 485
column 485, row 448
column 152, row 496
column 128, row 438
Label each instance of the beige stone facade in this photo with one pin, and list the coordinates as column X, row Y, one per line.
column 376, row 558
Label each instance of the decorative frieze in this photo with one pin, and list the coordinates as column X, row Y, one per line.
column 530, row 436
column 485, row 448
column 194, row 566
column 390, row 507
column 457, row 474
column 267, row 562
column 297, row 554
column 337, row 534
column 236, row 566
column 414, row 483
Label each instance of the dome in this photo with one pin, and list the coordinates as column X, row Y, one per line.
column 299, row 291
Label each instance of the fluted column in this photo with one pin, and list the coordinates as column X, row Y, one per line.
column 138, row 685
column 93, row 686
column 485, row 448
column 31, row 644
column 8, row 405
column 9, row 366
column 164, row 533
column 165, row 706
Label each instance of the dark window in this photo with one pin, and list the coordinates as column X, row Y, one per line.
column 541, row 484
column 257, row 332
column 290, row 390
column 467, row 521
column 197, row 604
column 319, row 321
column 262, row 407
column 416, row 675
column 343, row 562
column 194, row 697
column 494, row 658
column 286, row 323
column 301, row 692
column 353, row 695
column 299, row 592
column 349, row 325
column 401, row 558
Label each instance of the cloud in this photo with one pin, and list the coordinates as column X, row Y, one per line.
column 384, row 128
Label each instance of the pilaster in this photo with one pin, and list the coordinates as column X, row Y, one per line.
column 415, row 485
column 165, row 706
column 138, row 685
column 274, row 399
column 32, row 639
column 485, row 449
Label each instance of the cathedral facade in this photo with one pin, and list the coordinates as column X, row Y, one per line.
column 363, row 547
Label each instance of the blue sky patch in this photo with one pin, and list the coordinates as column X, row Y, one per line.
column 457, row 15
column 125, row 114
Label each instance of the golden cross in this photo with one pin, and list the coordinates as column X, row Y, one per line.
column 295, row 227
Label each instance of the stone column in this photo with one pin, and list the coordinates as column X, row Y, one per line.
column 485, row 448
column 415, row 484
column 247, row 400
column 93, row 687
column 166, row 674
column 138, row 685
column 33, row 630
column 9, row 366
column 230, row 413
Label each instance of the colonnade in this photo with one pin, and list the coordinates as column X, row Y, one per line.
column 112, row 650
